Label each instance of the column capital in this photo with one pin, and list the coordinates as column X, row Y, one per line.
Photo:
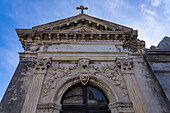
column 40, row 65
column 126, row 65
column 122, row 107
column 49, row 105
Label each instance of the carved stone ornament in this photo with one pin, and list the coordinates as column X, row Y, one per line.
column 40, row 65
column 34, row 49
column 110, row 71
column 84, row 71
column 48, row 108
column 125, row 65
column 55, row 72
column 49, row 105
column 84, row 78
column 121, row 107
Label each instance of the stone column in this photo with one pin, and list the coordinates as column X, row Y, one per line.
column 126, row 66
column 33, row 93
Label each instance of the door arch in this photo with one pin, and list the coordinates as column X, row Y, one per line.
column 84, row 99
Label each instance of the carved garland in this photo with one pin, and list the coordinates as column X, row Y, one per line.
column 83, row 70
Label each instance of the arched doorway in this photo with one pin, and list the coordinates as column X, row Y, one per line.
column 84, row 99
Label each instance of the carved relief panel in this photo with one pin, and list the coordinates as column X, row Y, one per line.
column 83, row 71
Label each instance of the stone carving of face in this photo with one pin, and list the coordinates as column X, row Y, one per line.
column 84, row 65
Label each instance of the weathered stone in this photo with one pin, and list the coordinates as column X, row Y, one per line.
column 89, row 51
column 164, row 44
column 159, row 61
column 15, row 94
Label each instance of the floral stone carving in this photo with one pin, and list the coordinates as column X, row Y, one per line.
column 55, row 72
column 84, row 70
column 110, row 71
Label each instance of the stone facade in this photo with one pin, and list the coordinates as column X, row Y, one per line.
column 82, row 50
column 158, row 59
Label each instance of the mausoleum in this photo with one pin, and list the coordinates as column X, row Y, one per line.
column 83, row 64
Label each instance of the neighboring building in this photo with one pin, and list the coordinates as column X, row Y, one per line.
column 83, row 64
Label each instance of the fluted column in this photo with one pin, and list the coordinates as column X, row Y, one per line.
column 33, row 93
column 126, row 66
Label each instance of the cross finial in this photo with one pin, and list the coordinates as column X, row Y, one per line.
column 82, row 8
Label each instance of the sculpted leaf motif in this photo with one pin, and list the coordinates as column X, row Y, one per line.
column 111, row 72
column 94, row 69
column 55, row 72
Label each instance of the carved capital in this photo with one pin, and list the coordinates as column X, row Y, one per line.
column 49, row 106
column 121, row 107
column 84, row 70
column 40, row 65
column 126, row 65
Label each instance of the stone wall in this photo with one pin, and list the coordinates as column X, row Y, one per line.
column 15, row 94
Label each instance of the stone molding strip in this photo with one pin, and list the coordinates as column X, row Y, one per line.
column 49, row 106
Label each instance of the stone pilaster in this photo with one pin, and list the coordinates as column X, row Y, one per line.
column 32, row 97
column 126, row 66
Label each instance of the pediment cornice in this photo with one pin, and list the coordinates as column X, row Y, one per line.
column 79, row 28
column 82, row 19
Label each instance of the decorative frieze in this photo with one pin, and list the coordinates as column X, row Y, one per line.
column 83, row 69
column 72, row 36
column 80, row 35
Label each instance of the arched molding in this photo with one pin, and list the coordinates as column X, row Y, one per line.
column 66, row 83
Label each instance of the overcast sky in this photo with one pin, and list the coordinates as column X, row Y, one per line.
column 150, row 17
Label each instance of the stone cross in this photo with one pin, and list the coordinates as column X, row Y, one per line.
column 82, row 8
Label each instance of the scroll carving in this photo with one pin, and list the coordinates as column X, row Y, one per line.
column 110, row 71
column 84, row 70
column 55, row 72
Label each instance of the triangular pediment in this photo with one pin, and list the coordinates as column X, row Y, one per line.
column 81, row 22
column 83, row 29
